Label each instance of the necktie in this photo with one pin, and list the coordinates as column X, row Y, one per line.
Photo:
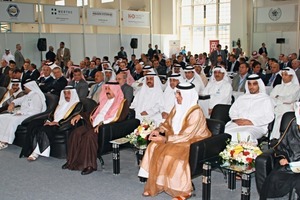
column 76, row 83
column 94, row 90
column 271, row 80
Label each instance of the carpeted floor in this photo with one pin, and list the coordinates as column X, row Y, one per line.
column 44, row 179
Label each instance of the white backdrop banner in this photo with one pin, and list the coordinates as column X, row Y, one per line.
column 61, row 15
column 174, row 47
column 102, row 17
column 16, row 12
column 278, row 14
column 136, row 18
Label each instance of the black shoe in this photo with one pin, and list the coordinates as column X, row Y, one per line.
column 87, row 171
column 65, row 166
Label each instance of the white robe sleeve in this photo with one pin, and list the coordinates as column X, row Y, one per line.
column 19, row 101
column 33, row 105
column 267, row 116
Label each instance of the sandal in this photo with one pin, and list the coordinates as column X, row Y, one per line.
column 146, row 194
column 182, row 197
column 32, row 157
column 3, row 145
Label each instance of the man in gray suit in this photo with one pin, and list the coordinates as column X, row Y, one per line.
column 126, row 89
column 19, row 58
column 214, row 55
column 239, row 80
column 296, row 67
column 63, row 55
column 97, row 87
column 79, row 84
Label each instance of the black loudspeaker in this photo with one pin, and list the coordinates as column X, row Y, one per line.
column 280, row 40
column 134, row 43
column 42, row 44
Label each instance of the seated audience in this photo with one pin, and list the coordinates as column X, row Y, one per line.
column 46, row 80
column 166, row 160
column 284, row 96
column 109, row 75
column 282, row 180
column 34, row 73
column 194, row 78
column 84, row 139
column 296, row 67
column 41, row 133
column 59, row 83
column 148, row 102
column 90, row 73
column 79, row 84
column 274, row 78
column 126, row 89
column 251, row 113
column 14, row 91
column 32, row 103
column 219, row 89
column 97, row 87
column 169, row 97
column 239, row 80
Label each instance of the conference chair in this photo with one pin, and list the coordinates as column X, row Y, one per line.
column 221, row 112
column 265, row 162
column 20, row 134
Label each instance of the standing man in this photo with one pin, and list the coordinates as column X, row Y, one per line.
column 122, row 53
column 19, row 58
column 214, row 55
column 63, row 55
column 8, row 56
column 50, row 55
column 150, row 51
column 263, row 49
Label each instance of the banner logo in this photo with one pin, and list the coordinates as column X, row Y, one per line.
column 13, row 10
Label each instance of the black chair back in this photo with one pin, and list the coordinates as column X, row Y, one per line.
column 2, row 92
column 88, row 104
column 221, row 112
column 215, row 126
column 285, row 120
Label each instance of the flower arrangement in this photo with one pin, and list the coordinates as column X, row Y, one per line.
column 140, row 135
column 241, row 153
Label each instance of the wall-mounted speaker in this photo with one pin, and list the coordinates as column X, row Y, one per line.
column 42, row 44
column 134, row 43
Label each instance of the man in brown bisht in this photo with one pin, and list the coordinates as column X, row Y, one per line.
column 166, row 160
column 83, row 142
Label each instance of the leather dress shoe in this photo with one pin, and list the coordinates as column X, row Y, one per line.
column 65, row 166
column 87, row 171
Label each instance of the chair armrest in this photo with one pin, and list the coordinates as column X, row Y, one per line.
column 264, row 164
column 206, row 149
column 112, row 131
column 43, row 115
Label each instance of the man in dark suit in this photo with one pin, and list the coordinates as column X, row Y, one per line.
column 263, row 49
column 4, row 67
column 156, row 50
column 79, row 84
column 90, row 73
column 50, row 55
column 122, row 53
column 45, row 81
column 215, row 54
column 59, row 83
column 285, row 63
column 274, row 78
column 34, row 73
column 63, row 55
column 138, row 72
column 19, row 58
column 150, row 51
column 126, row 89
column 239, row 80
column 233, row 65
column 18, row 74
column 256, row 69
column 97, row 87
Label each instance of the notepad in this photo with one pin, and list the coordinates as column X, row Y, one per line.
column 295, row 166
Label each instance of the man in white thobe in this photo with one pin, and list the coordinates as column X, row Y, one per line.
column 219, row 89
column 251, row 113
column 148, row 102
column 284, row 96
column 193, row 77
column 169, row 97
column 14, row 91
column 32, row 103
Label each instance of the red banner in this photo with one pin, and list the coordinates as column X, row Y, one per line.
column 213, row 45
